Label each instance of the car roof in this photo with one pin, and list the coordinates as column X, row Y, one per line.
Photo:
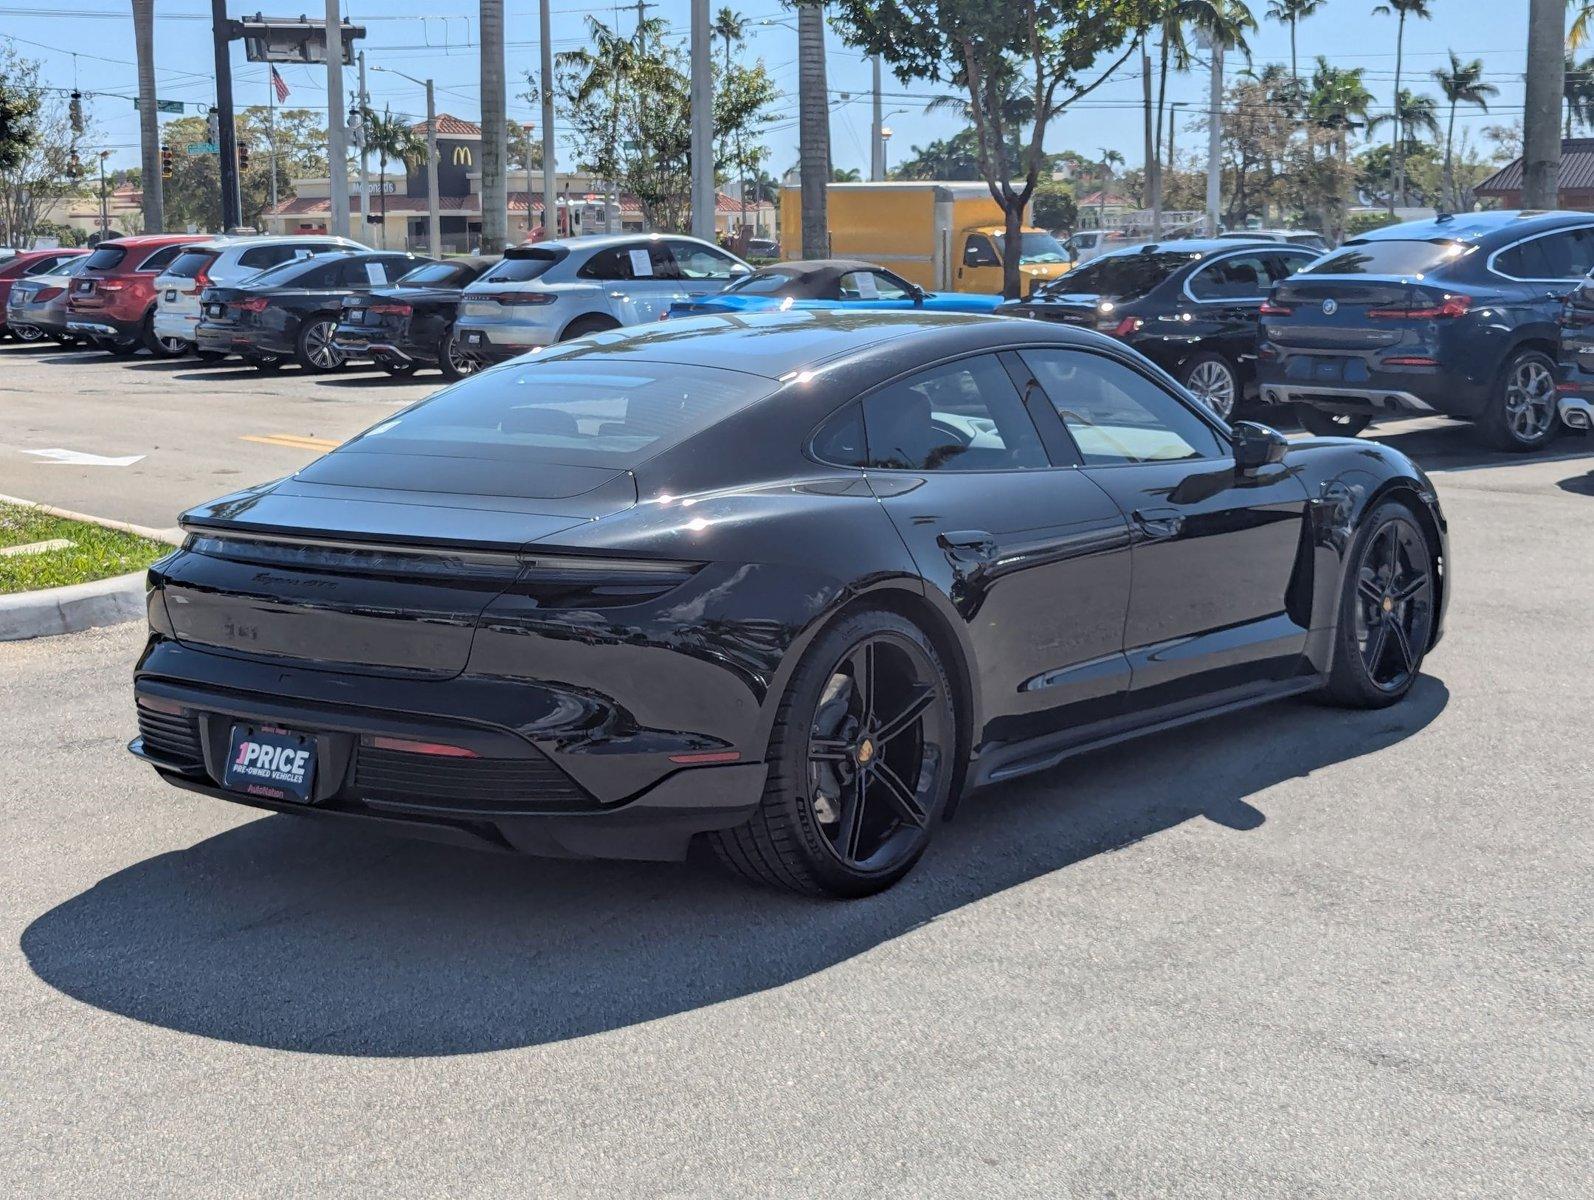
column 136, row 240
column 779, row 345
column 818, row 266
column 232, row 241
column 1191, row 246
column 600, row 241
column 1474, row 227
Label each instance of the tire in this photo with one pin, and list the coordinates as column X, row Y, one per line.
column 1386, row 612
column 313, row 348
column 1522, row 413
column 1326, row 424
column 827, row 738
column 582, row 326
column 451, row 361
column 27, row 333
column 1214, row 381
column 160, row 347
column 210, row 355
column 398, row 370
column 123, row 347
column 265, row 362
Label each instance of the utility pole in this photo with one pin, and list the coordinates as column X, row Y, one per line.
column 337, row 134
column 105, row 214
column 813, row 131
column 877, row 141
column 550, row 211
column 1153, row 166
column 226, row 130
column 494, row 188
column 362, row 139
column 1541, row 116
column 271, row 128
column 1214, row 139
column 704, row 204
column 149, row 132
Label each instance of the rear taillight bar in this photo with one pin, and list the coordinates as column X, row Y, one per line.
column 1450, row 306
column 1270, row 309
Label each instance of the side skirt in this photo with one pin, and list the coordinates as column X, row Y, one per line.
column 1025, row 758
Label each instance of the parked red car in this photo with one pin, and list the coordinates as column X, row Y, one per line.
column 113, row 298
column 29, row 262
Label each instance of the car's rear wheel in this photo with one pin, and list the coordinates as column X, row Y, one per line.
column 264, row 362
column 1214, row 381
column 452, row 360
column 860, row 763
column 1522, row 413
column 314, row 349
column 582, row 326
column 398, row 369
column 1387, row 611
column 209, row 355
column 26, row 333
column 121, row 347
column 160, row 347
column 1330, row 424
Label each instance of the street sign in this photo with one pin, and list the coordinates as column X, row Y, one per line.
column 203, row 148
column 165, row 106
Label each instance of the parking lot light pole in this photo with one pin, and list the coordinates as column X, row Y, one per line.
column 550, row 219
column 337, row 134
column 226, row 131
column 705, row 203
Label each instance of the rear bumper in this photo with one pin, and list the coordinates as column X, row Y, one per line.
column 227, row 340
column 510, row 797
column 495, row 342
column 169, row 324
column 1362, row 381
column 101, row 325
column 1358, row 400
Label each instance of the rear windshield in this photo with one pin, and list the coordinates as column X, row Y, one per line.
column 586, row 413
column 1123, row 275
column 190, row 263
column 1387, row 257
column 289, row 271
column 105, row 258
column 437, row 274
column 523, row 266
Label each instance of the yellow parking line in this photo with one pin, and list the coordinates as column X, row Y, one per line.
column 291, row 439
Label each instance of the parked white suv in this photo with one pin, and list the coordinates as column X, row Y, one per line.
column 225, row 262
column 549, row 291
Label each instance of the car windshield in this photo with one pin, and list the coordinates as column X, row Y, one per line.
column 437, row 274
column 1391, row 256
column 1034, row 247
column 1123, row 275
column 522, row 266
column 586, row 413
column 763, row 283
column 106, row 257
column 190, row 263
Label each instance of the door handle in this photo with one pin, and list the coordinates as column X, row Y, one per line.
column 617, row 295
column 967, row 547
column 1158, row 522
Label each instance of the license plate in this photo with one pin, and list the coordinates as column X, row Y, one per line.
column 215, row 310
column 266, row 761
column 355, row 316
column 84, row 285
column 171, row 295
column 475, row 337
column 1328, row 370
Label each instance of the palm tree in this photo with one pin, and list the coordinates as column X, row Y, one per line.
column 1109, row 159
column 392, row 138
column 1582, row 26
column 1578, row 92
column 149, row 135
column 813, row 129
column 1461, row 84
column 1338, row 101
column 730, row 27
column 847, row 175
column 1415, row 115
column 495, row 133
column 1541, row 101
column 1417, row 10
column 1292, row 13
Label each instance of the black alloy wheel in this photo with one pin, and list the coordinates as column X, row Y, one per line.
column 453, row 361
column 1330, row 424
column 1387, row 613
column 1523, row 414
column 316, row 351
column 861, row 764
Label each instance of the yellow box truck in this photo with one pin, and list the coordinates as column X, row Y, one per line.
column 944, row 236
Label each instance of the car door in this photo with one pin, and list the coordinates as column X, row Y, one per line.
column 1221, row 556
column 1032, row 556
column 979, row 266
column 1225, row 299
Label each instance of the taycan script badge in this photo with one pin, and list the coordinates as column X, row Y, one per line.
column 1330, row 307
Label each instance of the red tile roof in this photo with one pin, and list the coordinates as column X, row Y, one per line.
column 450, row 126
column 322, row 206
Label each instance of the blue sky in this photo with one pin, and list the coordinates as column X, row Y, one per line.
column 437, row 38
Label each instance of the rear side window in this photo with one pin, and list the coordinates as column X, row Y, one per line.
column 840, row 440
column 1388, row 257
column 522, row 268
column 963, row 416
column 190, row 263
column 578, row 412
column 649, row 261
column 704, row 262
column 1565, row 255
column 160, row 259
column 106, row 258
column 258, row 258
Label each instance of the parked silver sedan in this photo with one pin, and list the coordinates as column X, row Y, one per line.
column 39, row 301
column 550, row 291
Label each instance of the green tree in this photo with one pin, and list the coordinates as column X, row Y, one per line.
column 1461, row 84
column 1054, row 205
column 845, row 175
column 1292, row 13
column 956, row 157
column 1415, row 115
column 1578, row 93
column 1417, row 10
column 393, row 138
column 18, row 107
column 41, row 150
column 1047, row 49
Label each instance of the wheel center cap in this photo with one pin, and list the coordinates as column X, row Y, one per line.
column 865, row 751
column 1389, row 604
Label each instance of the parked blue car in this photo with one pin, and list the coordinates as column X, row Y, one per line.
column 829, row 283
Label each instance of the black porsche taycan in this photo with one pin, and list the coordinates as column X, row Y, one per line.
column 787, row 584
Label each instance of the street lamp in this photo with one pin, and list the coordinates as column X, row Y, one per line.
column 1173, row 125
column 885, row 145
column 105, row 215
column 434, row 220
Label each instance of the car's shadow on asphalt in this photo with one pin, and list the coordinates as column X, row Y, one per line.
column 1455, row 447
column 294, row 934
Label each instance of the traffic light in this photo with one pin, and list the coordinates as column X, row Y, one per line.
column 166, row 162
column 212, row 125
column 75, row 110
column 243, row 156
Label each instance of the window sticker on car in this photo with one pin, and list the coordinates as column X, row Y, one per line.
column 641, row 263
column 868, row 289
column 374, row 272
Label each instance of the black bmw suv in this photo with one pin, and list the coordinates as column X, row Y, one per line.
column 1459, row 315
column 1191, row 306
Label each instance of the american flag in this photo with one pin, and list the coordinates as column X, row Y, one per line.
column 278, row 86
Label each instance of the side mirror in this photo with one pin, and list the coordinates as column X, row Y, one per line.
column 1256, row 445
column 919, row 294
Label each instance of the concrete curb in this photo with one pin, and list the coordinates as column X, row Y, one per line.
column 78, row 606
column 71, row 609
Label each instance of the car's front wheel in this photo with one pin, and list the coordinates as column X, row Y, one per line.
column 1330, row 424
column 1214, row 381
column 1386, row 613
column 1522, row 414
column 861, row 763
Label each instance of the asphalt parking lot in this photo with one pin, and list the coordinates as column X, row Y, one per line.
column 1299, row 952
